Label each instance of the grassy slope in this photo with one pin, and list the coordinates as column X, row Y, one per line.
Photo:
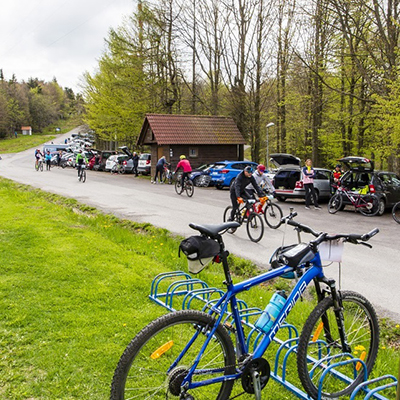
column 74, row 286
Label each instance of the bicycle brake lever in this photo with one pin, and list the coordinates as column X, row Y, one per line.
column 365, row 244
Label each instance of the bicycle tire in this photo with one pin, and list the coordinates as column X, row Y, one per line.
column 41, row 167
column 335, row 203
column 144, row 372
column 396, row 212
column 373, row 206
column 273, row 215
column 227, row 216
column 189, row 187
column 255, row 227
column 362, row 330
column 36, row 167
column 178, row 186
column 83, row 174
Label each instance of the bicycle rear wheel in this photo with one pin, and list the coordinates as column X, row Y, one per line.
column 144, row 370
column 255, row 227
column 189, row 187
column 396, row 212
column 319, row 340
column 335, row 203
column 178, row 186
column 370, row 206
column 272, row 215
column 227, row 216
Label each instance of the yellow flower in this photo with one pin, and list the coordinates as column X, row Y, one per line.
column 383, row 347
column 161, row 244
column 360, row 347
column 397, row 326
column 123, row 324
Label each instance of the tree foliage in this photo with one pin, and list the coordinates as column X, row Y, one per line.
column 324, row 71
column 33, row 103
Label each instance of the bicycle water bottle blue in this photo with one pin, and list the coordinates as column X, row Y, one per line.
column 271, row 312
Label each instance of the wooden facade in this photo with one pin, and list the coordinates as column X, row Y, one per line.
column 202, row 139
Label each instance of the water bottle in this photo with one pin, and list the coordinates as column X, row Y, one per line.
column 271, row 311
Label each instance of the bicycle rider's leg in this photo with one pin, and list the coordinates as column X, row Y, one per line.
column 235, row 205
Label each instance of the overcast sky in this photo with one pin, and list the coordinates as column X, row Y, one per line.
column 56, row 38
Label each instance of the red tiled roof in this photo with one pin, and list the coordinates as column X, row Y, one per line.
column 191, row 129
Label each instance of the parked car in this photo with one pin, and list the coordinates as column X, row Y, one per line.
column 117, row 158
column 361, row 174
column 224, row 173
column 103, row 155
column 288, row 179
column 201, row 176
column 144, row 166
column 129, row 161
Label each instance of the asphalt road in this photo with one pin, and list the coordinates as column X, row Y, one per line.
column 373, row 272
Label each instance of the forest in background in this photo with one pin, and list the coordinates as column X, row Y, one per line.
column 34, row 103
column 325, row 72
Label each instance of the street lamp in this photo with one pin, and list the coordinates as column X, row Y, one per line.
column 267, row 156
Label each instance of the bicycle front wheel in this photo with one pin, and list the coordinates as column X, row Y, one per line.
column 370, row 206
column 83, row 176
column 272, row 215
column 189, row 187
column 335, row 203
column 320, row 340
column 41, row 167
column 145, row 369
column 396, row 212
column 255, row 227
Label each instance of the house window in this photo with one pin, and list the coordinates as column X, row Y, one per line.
column 193, row 152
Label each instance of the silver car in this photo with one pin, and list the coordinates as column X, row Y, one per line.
column 288, row 179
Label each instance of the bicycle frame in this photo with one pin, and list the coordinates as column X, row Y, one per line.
column 355, row 199
column 229, row 298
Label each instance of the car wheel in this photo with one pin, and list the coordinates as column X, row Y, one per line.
column 218, row 186
column 381, row 207
column 281, row 198
column 196, row 181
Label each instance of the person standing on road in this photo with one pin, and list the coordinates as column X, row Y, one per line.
column 184, row 164
column 308, row 180
column 239, row 192
column 135, row 159
column 160, row 169
column 47, row 157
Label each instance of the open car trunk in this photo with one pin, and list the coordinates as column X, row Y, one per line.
column 286, row 179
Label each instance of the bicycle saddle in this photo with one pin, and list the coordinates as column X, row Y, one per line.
column 214, row 230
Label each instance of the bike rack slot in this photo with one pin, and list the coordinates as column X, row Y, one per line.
column 180, row 284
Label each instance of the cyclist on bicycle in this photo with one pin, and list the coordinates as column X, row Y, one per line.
column 184, row 164
column 38, row 156
column 262, row 180
column 80, row 160
column 239, row 191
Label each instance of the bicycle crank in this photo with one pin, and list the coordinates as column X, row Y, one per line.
column 255, row 376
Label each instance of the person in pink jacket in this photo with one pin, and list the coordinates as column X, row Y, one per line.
column 184, row 164
column 308, row 181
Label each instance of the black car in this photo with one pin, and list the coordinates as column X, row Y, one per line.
column 361, row 174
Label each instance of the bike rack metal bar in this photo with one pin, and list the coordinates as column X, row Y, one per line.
column 184, row 285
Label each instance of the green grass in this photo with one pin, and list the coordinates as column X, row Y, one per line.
column 74, row 286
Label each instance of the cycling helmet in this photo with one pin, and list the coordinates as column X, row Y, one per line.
column 182, row 157
column 261, row 167
column 249, row 169
column 338, row 166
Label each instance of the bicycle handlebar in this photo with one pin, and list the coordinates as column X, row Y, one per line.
column 323, row 236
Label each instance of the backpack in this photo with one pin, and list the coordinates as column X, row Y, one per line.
column 199, row 251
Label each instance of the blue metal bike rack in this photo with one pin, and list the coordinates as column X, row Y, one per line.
column 168, row 288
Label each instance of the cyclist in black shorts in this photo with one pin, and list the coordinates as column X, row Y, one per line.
column 238, row 189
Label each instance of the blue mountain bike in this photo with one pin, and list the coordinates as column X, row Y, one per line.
column 192, row 354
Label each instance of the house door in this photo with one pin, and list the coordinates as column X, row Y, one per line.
column 160, row 152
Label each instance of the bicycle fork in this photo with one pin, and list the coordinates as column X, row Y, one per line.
column 338, row 311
